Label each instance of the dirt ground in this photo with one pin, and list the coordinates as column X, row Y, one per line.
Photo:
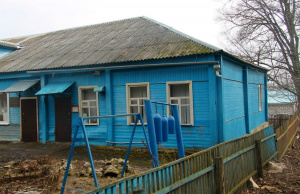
column 286, row 182
column 37, row 167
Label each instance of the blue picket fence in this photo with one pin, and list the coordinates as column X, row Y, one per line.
column 196, row 173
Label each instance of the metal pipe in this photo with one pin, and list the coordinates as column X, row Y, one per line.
column 123, row 67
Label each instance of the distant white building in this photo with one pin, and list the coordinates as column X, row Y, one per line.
column 281, row 102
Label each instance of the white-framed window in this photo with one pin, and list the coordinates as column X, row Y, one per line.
column 88, row 104
column 4, row 109
column 260, row 102
column 181, row 93
column 136, row 93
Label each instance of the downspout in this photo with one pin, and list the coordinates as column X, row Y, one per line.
column 217, row 69
column 220, row 100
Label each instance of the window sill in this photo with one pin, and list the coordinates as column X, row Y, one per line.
column 4, row 123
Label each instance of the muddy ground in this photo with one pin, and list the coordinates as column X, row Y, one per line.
column 38, row 167
column 286, row 182
column 26, row 167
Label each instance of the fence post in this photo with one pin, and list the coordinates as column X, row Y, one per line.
column 259, row 162
column 219, row 173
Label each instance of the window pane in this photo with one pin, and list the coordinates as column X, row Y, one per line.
column 179, row 90
column 185, row 101
column 3, row 107
column 133, row 109
column 174, row 101
column 84, row 104
column 85, row 112
column 88, row 94
column 141, row 102
column 93, row 103
column 133, row 101
column 138, row 92
column 93, row 112
column 185, row 115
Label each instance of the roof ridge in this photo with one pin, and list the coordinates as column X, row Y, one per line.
column 183, row 34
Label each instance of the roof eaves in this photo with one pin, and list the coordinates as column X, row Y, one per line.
column 9, row 45
column 244, row 61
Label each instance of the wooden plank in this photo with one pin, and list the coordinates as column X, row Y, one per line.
column 259, row 162
column 186, row 180
column 220, row 184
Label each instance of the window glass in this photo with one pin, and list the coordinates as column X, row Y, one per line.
column 260, row 97
column 180, row 94
column 179, row 90
column 4, row 110
column 88, row 94
column 89, row 104
column 138, row 92
column 137, row 95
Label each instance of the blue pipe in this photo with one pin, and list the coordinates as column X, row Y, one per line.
column 70, row 158
column 151, row 131
column 130, row 143
column 178, row 132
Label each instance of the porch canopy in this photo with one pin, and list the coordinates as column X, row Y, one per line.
column 21, row 86
column 55, row 88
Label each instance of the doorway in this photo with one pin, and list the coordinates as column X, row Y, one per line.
column 63, row 130
column 29, row 120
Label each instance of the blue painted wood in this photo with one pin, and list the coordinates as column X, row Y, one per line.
column 220, row 103
column 109, row 106
column 246, row 98
column 212, row 105
column 43, row 112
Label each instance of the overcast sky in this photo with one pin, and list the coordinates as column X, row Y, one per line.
column 26, row 17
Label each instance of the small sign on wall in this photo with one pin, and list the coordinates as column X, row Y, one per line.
column 75, row 108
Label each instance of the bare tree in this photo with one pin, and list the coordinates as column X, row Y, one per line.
column 266, row 33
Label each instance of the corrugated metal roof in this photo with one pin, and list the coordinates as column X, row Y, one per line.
column 21, row 86
column 54, row 88
column 120, row 41
column 9, row 45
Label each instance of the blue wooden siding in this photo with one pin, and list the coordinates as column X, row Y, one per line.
column 235, row 101
column 233, row 94
column 198, row 135
column 97, row 133
column 256, row 117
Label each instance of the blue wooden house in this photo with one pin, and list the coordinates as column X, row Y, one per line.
column 111, row 68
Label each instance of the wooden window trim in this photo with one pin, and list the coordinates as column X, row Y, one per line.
column 128, row 86
column 80, row 102
column 190, row 97
column 7, row 101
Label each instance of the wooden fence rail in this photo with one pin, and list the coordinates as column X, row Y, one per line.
column 286, row 133
column 203, row 171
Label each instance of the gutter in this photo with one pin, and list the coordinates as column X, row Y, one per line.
column 122, row 67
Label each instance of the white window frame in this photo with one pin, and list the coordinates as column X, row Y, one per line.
column 128, row 99
column 260, row 102
column 80, row 103
column 7, row 104
column 168, row 84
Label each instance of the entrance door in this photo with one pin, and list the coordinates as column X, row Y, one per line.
column 63, row 130
column 29, row 120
